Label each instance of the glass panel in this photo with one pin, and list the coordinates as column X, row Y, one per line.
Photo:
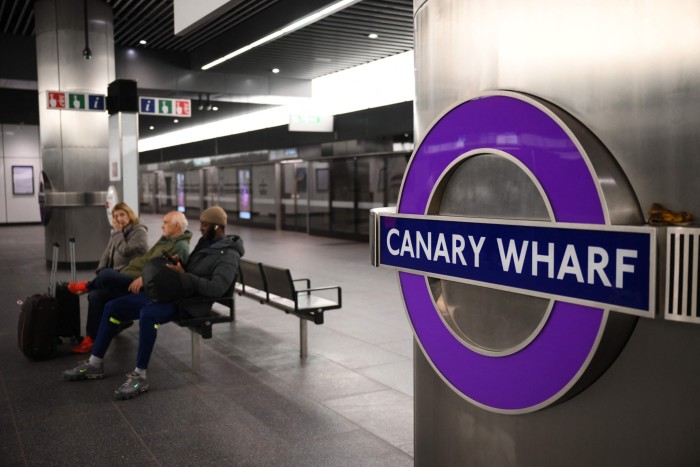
column 147, row 193
column 294, row 196
column 229, row 191
column 370, row 189
column 180, row 192
column 319, row 195
column 192, row 193
column 211, row 187
column 343, row 195
column 244, row 207
column 263, row 191
column 396, row 167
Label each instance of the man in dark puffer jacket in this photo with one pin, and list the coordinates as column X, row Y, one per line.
column 209, row 272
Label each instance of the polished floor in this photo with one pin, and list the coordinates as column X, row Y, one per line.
column 253, row 402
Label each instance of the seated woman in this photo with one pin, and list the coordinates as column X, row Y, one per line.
column 129, row 239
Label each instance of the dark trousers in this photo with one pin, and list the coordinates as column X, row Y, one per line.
column 132, row 307
column 107, row 285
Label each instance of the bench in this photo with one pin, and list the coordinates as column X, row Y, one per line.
column 274, row 286
column 220, row 310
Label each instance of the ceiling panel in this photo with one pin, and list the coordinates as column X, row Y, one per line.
column 331, row 44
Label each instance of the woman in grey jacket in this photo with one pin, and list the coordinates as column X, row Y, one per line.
column 129, row 239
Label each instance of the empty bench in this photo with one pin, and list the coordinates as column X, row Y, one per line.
column 274, row 286
column 213, row 310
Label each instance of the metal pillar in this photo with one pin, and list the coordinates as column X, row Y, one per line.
column 74, row 142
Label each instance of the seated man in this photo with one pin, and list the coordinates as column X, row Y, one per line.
column 209, row 272
column 109, row 284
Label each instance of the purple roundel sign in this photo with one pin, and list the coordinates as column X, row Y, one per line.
column 550, row 364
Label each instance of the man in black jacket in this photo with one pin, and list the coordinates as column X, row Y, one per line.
column 209, row 272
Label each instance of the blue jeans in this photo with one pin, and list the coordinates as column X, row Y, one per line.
column 107, row 285
column 128, row 308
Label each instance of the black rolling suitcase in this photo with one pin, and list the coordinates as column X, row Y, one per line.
column 43, row 318
column 68, row 304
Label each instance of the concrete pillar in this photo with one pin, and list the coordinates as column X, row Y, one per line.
column 74, row 143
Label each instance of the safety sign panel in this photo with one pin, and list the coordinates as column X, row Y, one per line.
column 165, row 107
column 75, row 101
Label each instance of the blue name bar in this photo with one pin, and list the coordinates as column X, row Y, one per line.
column 599, row 265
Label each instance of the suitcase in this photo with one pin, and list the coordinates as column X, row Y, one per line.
column 68, row 304
column 43, row 318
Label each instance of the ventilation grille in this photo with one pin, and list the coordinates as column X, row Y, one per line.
column 682, row 248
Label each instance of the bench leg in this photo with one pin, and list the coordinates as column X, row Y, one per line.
column 303, row 341
column 196, row 342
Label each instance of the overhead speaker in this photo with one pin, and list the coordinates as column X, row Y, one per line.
column 122, row 97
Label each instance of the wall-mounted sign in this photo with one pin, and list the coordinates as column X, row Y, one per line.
column 75, row 101
column 22, row 180
column 165, row 107
column 310, row 122
column 510, row 313
column 598, row 266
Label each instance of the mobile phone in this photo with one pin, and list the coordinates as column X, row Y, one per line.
column 170, row 258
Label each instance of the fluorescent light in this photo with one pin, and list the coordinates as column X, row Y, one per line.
column 375, row 84
column 298, row 24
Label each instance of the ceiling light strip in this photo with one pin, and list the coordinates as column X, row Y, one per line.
column 300, row 23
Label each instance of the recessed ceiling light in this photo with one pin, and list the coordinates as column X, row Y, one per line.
column 275, row 70
column 143, row 42
column 176, row 120
column 215, row 108
column 151, row 127
column 373, row 36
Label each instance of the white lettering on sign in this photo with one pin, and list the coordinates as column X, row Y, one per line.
column 434, row 249
column 558, row 261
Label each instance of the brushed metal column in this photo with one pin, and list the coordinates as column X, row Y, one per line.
column 74, row 143
column 630, row 72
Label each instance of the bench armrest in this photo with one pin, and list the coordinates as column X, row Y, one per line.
column 339, row 292
column 307, row 281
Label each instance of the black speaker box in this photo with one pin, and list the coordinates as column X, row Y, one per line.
column 121, row 96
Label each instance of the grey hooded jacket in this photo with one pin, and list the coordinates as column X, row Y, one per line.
column 124, row 246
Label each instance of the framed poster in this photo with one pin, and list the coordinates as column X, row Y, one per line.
column 22, row 180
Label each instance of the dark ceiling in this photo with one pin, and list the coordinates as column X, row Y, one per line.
column 334, row 43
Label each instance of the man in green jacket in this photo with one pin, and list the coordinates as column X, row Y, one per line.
column 109, row 284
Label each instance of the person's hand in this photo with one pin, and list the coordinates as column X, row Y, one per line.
column 136, row 285
column 177, row 266
column 116, row 225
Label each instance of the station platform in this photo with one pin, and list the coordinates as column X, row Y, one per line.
column 253, row 402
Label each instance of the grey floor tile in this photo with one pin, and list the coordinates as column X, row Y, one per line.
column 323, row 380
column 396, row 375
column 75, row 440
column 385, row 413
column 254, row 400
column 357, row 448
column 10, row 448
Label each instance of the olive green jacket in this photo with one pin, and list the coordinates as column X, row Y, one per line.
column 179, row 246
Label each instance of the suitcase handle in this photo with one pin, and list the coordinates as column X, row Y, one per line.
column 71, row 248
column 54, row 267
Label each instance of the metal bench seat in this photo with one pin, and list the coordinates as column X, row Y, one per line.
column 274, row 286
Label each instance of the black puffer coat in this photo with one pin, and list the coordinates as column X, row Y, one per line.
column 211, row 270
